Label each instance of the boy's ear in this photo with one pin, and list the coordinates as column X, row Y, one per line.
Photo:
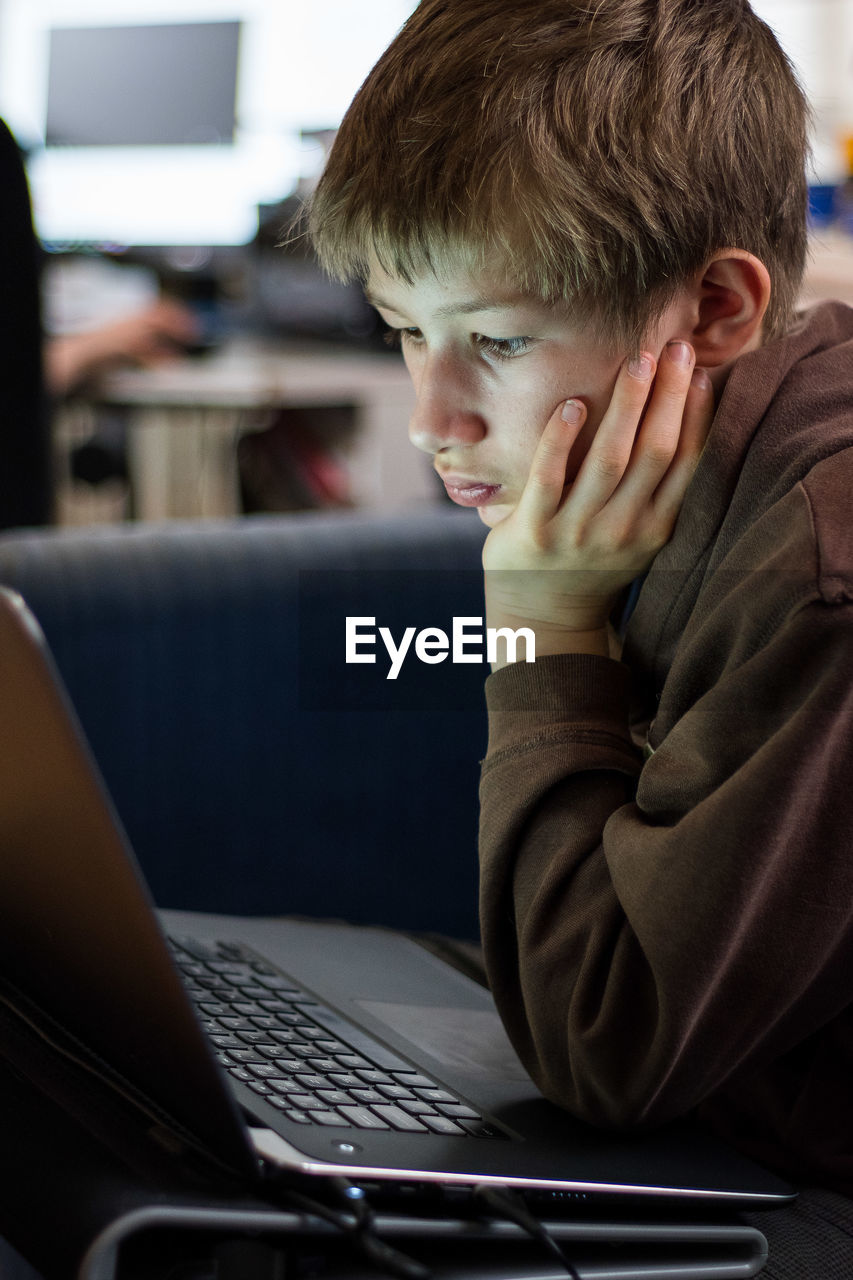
column 727, row 303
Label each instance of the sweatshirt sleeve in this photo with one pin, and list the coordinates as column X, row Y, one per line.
column 653, row 926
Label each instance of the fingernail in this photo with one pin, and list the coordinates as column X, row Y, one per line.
column 679, row 352
column 700, row 379
column 572, row 412
column 641, row 367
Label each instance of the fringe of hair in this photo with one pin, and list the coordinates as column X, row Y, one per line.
column 599, row 154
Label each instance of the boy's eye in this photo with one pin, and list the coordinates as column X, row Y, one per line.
column 396, row 337
column 497, row 348
column 501, row 348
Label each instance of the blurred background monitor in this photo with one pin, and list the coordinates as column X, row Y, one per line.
column 169, row 122
column 170, row 84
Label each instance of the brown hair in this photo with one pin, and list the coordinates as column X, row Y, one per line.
column 600, row 151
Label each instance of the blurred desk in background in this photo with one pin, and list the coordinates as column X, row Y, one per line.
column 184, row 420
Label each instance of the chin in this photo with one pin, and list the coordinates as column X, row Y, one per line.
column 494, row 513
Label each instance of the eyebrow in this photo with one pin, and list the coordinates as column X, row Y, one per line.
column 452, row 309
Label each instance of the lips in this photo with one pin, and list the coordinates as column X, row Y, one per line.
column 467, row 492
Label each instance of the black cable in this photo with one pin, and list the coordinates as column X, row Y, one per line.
column 356, row 1222
column 506, row 1203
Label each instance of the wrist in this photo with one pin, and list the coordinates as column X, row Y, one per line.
column 548, row 640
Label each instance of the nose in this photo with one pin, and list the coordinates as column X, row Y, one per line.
column 445, row 412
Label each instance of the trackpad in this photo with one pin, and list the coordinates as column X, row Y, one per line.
column 471, row 1041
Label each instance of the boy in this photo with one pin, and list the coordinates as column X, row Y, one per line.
column 586, row 220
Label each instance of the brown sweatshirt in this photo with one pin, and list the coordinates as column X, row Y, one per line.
column 667, row 841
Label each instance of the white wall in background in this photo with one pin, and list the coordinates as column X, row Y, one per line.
column 817, row 36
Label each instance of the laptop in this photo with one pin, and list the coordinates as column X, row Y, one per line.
column 289, row 1046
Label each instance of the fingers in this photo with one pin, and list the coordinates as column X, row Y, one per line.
column 648, row 451
column 543, row 492
column 658, row 437
column 696, row 423
column 604, row 467
column 643, row 453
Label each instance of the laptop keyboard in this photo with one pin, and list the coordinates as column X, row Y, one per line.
column 303, row 1058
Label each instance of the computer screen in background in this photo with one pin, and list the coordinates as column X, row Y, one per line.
column 167, row 84
column 125, row 76
column 141, row 138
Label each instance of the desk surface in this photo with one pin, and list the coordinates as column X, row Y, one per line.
column 246, row 373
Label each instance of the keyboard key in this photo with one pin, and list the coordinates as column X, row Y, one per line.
column 193, row 947
column 442, row 1124
column 328, row 1117
column 298, row 1117
column 233, row 951
column 245, row 1055
column 395, row 1091
column 353, row 1060
column 333, row 1097
column 282, row 1086
column 482, row 1129
column 273, row 981
column 211, row 982
column 262, row 1069
column 331, row 1046
column 370, row 1095
column 303, row 1101
column 240, row 1073
column 345, row 1079
column 362, row 1118
column 277, row 1051
column 376, row 1077
column 253, row 1037
column 413, row 1080
column 459, row 1110
column 435, row 1095
column 241, row 972
column 310, row 1082
column 398, row 1119
column 323, row 1064
column 225, row 1040
column 260, row 1086
column 418, row 1107
column 286, row 1035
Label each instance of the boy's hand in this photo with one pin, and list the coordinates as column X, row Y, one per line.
column 558, row 561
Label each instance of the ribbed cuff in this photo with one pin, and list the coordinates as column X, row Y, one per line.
column 582, row 692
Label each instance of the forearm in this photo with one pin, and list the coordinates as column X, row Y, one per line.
column 644, row 930
column 560, row 762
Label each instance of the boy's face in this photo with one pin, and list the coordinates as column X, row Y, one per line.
column 489, row 367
